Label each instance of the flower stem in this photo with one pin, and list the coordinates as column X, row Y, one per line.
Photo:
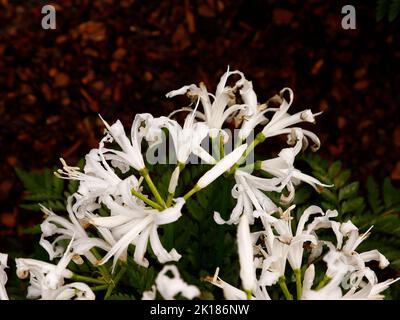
column 99, row 288
column 221, row 146
column 248, row 294
column 323, row 282
column 114, row 282
column 259, row 138
column 145, row 173
column 191, row 192
column 282, row 284
column 146, row 200
column 103, row 270
column 297, row 272
column 78, row 277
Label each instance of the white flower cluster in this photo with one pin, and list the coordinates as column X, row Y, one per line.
column 113, row 178
column 264, row 255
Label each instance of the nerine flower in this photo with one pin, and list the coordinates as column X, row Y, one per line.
column 47, row 280
column 346, row 255
column 248, row 191
column 281, row 121
column 223, row 106
column 169, row 287
column 68, row 229
column 3, row 276
column 283, row 167
column 283, row 227
column 232, row 293
column 138, row 226
column 131, row 153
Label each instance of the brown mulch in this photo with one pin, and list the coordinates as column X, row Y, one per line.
column 118, row 58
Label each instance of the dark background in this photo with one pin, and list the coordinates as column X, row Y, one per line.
column 118, row 58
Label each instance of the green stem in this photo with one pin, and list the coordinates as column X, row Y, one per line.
column 248, row 294
column 282, row 284
column 78, row 277
column 99, row 288
column 114, row 282
column 215, row 148
column 103, row 270
column 323, row 282
column 145, row 173
column 298, row 283
column 259, row 138
column 170, row 198
column 191, row 192
column 221, row 146
column 146, row 200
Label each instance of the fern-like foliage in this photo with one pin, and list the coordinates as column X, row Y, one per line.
column 46, row 189
column 365, row 204
column 387, row 8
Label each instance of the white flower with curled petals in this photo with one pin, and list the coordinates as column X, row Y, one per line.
column 283, row 167
column 223, row 106
column 47, row 280
column 68, row 229
column 248, row 191
column 138, row 227
column 130, row 153
column 233, row 293
column 330, row 291
column 169, row 287
column 3, row 276
column 282, row 122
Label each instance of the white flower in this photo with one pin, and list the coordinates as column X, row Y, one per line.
column 3, row 276
column 283, row 227
column 223, row 105
column 245, row 249
column 133, row 226
column 233, row 293
column 333, row 291
column 70, row 291
column 253, row 113
column 281, row 120
column 169, row 287
column 131, row 148
column 283, row 167
column 330, row 291
column 248, row 192
column 345, row 255
column 97, row 180
column 187, row 139
column 371, row 291
column 47, row 280
column 223, row 165
column 68, row 229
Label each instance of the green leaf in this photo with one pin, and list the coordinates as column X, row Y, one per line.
column 334, row 169
column 352, row 205
column 329, row 196
column 382, row 9
column 29, row 180
column 394, row 10
column 391, row 196
column 374, row 195
column 121, row 296
column 349, row 190
column 341, row 179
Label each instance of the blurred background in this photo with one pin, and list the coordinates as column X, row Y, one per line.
column 119, row 58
